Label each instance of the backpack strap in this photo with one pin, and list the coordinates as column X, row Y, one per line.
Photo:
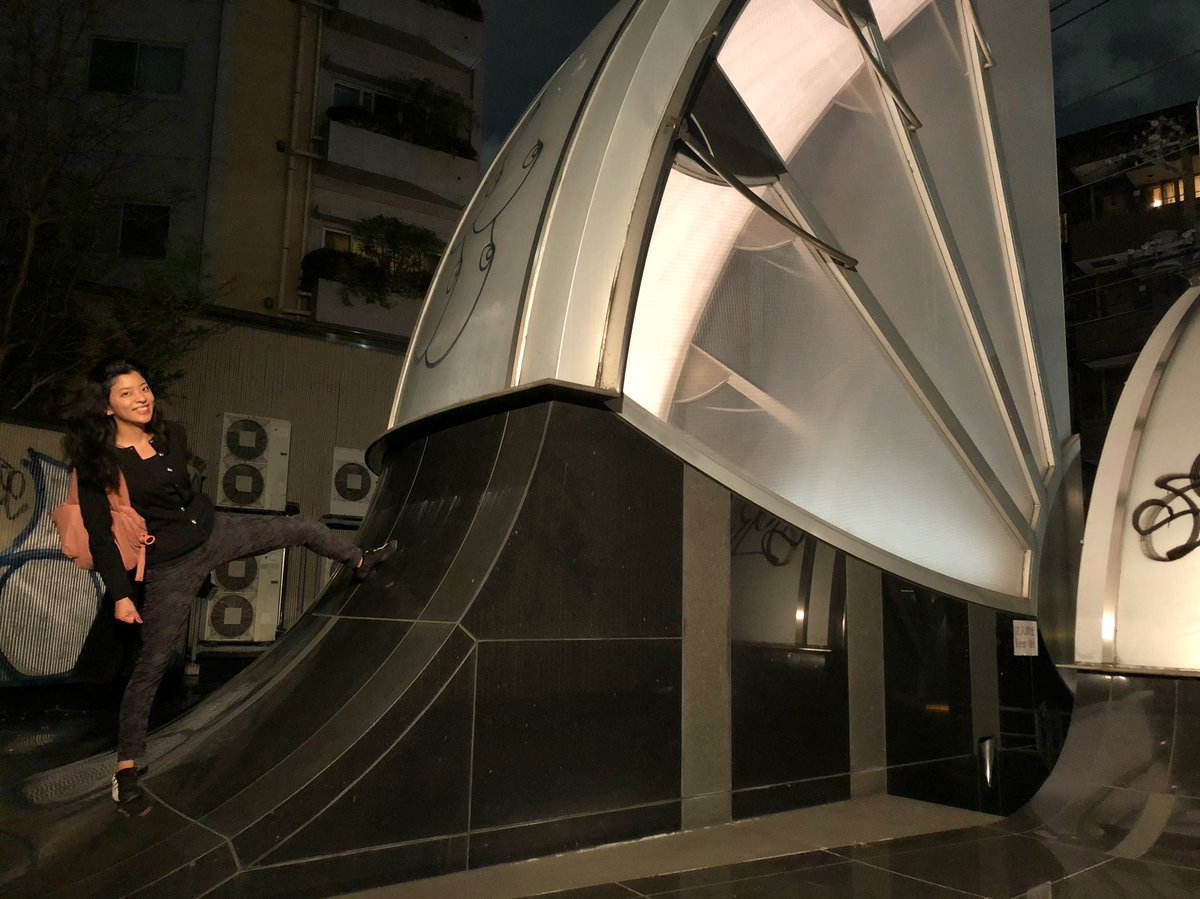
column 145, row 541
column 123, row 489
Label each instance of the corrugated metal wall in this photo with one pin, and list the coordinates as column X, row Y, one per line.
column 332, row 393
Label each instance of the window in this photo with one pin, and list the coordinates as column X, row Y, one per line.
column 126, row 67
column 343, row 241
column 1171, row 192
column 349, row 95
column 144, row 230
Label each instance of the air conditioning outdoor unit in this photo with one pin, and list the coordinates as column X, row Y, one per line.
column 244, row 607
column 351, row 484
column 253, row 454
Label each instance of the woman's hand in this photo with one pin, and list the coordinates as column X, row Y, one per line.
column 126, row 611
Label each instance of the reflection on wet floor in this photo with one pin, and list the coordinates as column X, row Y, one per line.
column 45, row 727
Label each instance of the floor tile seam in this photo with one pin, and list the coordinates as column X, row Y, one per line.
column 1054, row 841
column 471, row 750
column 612, row 639
column 1174, row 725
column 791, row 783
column 502, row 544
column 474, row 518
column 178, row 739
column 632, row 892
column 833, row 860
column 363, row 850
column 942, row 886
column 335, row 617
column 657, row 803
column 254, row 866
column 151, row 847
column 228, row 841
column 1153, row 862
column 944, row 758
column 906, row 852
column 296, row 750
column 1099, row 864
column 224, row 844
column 391, row 532
column 378, row 759
column 1080, row 798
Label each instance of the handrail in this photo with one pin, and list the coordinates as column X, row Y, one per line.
column 889, row 85
column 836, row 255
column 988, row 60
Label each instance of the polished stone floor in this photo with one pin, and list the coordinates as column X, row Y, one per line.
column 775, row 855
column 901, row 848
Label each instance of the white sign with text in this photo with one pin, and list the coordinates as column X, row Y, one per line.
column 1025, row 638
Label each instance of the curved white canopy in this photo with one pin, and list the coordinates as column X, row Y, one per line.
column 908, row 408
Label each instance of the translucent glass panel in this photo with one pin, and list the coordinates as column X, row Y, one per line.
column 802, row 74
column 1158, row 618
column 745, row 341
column 930, row 58
column 464, row 344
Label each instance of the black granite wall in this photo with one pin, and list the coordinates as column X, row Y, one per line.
column 510, row 684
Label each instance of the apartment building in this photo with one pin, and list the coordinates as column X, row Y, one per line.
column 1130, row 195
column 327, row 116
column 262, row 134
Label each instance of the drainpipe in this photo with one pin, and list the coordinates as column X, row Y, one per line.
column 312, row 132
column 286, row 246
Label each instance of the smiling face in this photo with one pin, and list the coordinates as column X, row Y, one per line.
column 130, row 400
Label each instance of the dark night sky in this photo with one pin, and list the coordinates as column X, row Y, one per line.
column 528, row 39
column 1118, row 40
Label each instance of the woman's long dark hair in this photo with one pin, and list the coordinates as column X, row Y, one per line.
column 91, row 439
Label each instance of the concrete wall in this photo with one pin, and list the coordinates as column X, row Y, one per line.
column 448, row 176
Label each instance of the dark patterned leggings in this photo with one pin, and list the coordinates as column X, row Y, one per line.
column 171, row 589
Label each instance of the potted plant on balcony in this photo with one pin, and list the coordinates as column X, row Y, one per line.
column 389, row 258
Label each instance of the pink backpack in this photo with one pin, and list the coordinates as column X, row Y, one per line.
column 129, row 529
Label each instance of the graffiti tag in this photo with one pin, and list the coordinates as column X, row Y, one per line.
column 777, row 540
column 12, row 491
column 1180, row 504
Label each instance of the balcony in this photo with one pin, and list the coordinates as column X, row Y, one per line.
column 391, row 155
column 329, row 306
column 325, row 274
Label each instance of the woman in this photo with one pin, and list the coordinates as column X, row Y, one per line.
column 116, row 430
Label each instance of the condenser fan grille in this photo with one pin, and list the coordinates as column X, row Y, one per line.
column 246, row 439
column 352, row 482
column 242, row 484
column 231, row 616
column 237, row 575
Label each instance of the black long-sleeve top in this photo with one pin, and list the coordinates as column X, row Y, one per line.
column 179, row 518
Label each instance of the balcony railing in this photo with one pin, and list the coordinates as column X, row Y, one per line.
column 344, row 267
column 426, row 131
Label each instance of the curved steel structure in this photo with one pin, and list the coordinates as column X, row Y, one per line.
column 722, row 216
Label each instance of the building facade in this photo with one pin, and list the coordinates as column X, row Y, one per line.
column 286, row 125
column 258, row 136
column 1130, row 194
column 359, row 111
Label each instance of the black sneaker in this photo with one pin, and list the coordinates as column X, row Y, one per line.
column 125, row 786
column 372, row 558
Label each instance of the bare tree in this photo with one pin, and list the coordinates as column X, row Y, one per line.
column 64, row 159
